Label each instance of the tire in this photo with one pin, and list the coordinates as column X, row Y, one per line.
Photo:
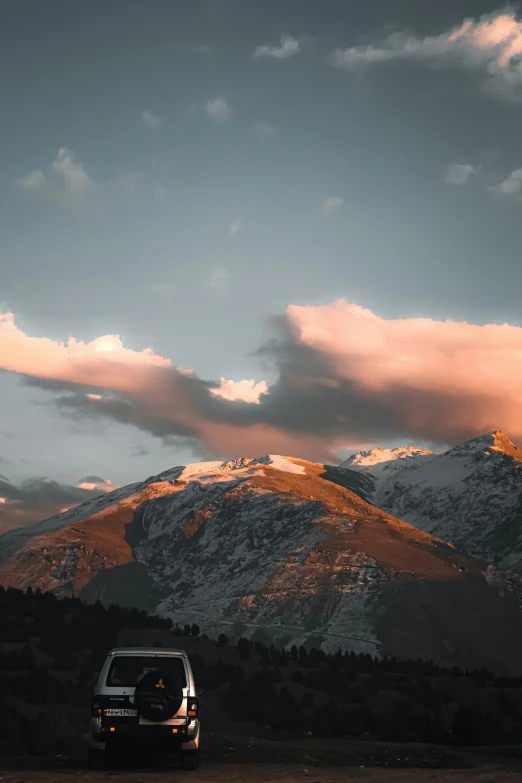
column 189, row 759
column 158, row 696
column 96, row 759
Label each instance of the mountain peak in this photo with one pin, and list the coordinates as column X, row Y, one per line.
column 378, row 455
column 491, row 442
column 494, row 441
column 501, row 440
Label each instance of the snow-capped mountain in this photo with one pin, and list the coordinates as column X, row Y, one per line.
column 470, row 495
column 374, row 457
column 277, row 548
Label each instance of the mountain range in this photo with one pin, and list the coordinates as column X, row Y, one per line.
column 287, row 550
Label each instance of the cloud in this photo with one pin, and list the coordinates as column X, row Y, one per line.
column 218, row 278
column 288, row 48
column 218, row 110
column 70, row 179
column 443, row 380
column 332, row 203
column 459, row 173
column 65, row 361
column 33, row 182
column 510, row 186
column 104, row 379
column 264, row 129
column 139, row 451
column 492, row 44
column 73, row 174
column 240, row 391
column 101, row 485
column 235, row 227
column 151, row 120
column 39, row 498
column 66, row 182
column 346, row 378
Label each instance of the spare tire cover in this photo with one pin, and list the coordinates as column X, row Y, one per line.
column 158, row 695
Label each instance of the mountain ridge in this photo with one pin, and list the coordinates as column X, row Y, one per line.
column 469, row 495
column 276, row 548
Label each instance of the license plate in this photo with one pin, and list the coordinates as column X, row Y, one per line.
column 121, row 713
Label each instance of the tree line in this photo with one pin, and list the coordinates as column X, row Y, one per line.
column 51, row 650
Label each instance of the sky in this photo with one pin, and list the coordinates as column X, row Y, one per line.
column 239, row 227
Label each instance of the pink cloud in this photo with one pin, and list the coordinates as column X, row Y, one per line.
column 493, row 43
column 468, row 374
column 152, row 384
column 504, row 33
column 348, row 379
column 259, row 439
column 71, row 360
column 240, row 391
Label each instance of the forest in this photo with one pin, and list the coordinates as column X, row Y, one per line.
column 52, row 649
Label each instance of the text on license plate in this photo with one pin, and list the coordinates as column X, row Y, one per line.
column 121, row 713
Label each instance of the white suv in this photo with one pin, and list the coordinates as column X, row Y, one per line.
column 146, row 700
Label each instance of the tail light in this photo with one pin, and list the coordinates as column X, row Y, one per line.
column 192, row 707
column 96, row 709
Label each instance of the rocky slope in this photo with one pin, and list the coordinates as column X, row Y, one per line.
column 470, row 495
column 276, row 548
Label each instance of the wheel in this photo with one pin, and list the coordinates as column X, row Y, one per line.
column 96, row 759
column 189, row 759
column 158, row 695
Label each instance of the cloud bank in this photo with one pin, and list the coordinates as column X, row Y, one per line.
column 40, row 498
column 346, row 378
column 492, row 44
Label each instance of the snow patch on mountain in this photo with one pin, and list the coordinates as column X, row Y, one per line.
column 379, row 455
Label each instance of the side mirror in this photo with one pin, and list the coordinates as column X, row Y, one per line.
column 199, row 690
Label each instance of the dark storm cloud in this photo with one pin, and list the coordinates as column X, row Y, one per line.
column 123, row 411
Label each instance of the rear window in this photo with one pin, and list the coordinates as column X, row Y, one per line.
column 126, row 670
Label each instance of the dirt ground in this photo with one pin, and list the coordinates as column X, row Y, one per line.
column 232, row 759
column 261, row 773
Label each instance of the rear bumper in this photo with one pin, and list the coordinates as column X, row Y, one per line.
column 162, row 736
